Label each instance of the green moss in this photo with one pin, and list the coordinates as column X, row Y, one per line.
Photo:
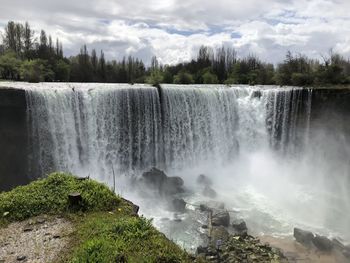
column 50, row 195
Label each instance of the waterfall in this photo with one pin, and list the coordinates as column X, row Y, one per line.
column 92, row 129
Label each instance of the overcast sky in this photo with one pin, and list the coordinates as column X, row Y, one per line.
column 173, row 30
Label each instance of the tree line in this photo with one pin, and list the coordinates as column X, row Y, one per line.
column 23, row 56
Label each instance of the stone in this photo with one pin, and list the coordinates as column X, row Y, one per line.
column 204, row 180
column 56, row 236
column 322, row 243
column 178, row 205
column 337, row 244
column 303, row 237
column 172, row 185
column 165, row 185
column 221, row 219
column 154, row 177
column 209, row 192
column 21, row 258
column 201, row 250
column 239, row 224
column 27, row 229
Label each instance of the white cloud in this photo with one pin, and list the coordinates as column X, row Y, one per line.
column 173, row 29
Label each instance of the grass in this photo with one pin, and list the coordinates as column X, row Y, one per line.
column 105, row 228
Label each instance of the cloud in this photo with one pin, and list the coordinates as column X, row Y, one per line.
column 173, row 30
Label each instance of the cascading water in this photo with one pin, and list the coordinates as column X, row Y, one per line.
column 254, row 142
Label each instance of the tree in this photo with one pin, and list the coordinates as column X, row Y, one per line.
column 10, row 66
column 32, row 71
column 209, row 77
column 183, row 77
column 62, row 71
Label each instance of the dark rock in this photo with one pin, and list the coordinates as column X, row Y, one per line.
column 27, row 229
column 322, row 243
column 201, row 250
column 204, row 208
column 56, row 236
column 204, row 180
column 154, row 177
column 337, row 244
column 209, row 192
column 240, row 225
column 158, row 180
column 303, row 237
column 21, row 258
column 178, row 205
column 221, row 219
column 171, row 186
column 204, row 226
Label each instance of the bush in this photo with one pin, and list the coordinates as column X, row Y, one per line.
column 183, row 77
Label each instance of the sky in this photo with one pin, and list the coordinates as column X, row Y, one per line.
column 173, row 30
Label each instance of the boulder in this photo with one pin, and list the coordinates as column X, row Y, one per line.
column 240, row 226
column 209, row 192
column 178, row 205
column 204, row 180
column 303, row 237
column 322, row 243
column 165, row 185
column 154, row 177
column 201, row 250
column 221, row 219
column 172, row 185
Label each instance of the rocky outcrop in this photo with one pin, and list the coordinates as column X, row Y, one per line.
column 303, row 237
column 221, row 219
column 163, row 184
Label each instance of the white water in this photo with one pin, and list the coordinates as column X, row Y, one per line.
column 256, row 144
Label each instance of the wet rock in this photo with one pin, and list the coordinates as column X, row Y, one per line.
column 303, row 237
column 154, row 177
column 239, row 224
column 56, row 236
column 204, row 208
column 201, row 250
column 337, row 244
column 221, row 219
column 209, row 192
column 158, row 180
column 322, row 243
column 204, row 226
column 21, row 258
column 204, row 180
column 172, row 185
column 178, row 205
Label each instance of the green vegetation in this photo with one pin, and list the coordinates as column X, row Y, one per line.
column 106, row 230
column 50, row 195
column 22, row 57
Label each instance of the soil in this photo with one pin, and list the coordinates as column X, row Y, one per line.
column 39, row 239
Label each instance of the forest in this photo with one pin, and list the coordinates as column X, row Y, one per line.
column 27, row 56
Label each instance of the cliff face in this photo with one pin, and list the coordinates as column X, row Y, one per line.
column 13, row 138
